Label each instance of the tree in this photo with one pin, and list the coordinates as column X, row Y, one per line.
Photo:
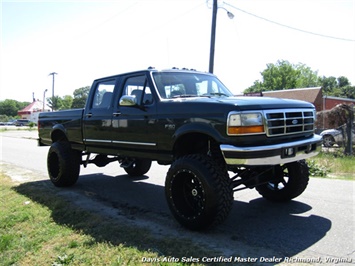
column 338, row 87
column 60, row 103
column 343, row 81
column 328, row 84
column 307, row 77
column 284, row 75
column 54, row 102
column 258, row 86
column 66, row 103
column 80, row 97
column 11, row 107
column 347, row 92
column 280, row 76
column 8, row 107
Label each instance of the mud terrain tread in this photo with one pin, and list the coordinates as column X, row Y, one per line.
column 298, row 174
column 63, row 164
column 216, row 184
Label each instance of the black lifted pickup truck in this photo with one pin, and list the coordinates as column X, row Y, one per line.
column 215, row 143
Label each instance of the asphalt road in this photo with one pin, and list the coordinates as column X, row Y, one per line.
column 316, row 227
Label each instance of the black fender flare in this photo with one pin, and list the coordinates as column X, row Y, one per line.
column 199, row 128
column 191, row 138
column 58, row 133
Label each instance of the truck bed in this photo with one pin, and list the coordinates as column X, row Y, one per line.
column 70, row 121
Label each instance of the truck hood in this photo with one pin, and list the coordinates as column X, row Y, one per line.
column 250, row 103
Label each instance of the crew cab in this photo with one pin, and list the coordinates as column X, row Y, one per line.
column 215, row 143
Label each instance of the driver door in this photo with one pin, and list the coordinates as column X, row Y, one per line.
column 133, row 125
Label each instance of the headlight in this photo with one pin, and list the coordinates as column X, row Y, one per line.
column 245, row 123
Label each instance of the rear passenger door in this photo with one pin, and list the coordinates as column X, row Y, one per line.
column 98, row 116
column 134, row 126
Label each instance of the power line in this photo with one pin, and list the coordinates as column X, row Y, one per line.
column 290, row 27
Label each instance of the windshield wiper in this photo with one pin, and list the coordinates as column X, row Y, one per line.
column 219, row 94
column 204, row 95
column 185, row 95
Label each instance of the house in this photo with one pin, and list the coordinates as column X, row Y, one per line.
column 312, row 95
column 32, row 111
column 329, row 102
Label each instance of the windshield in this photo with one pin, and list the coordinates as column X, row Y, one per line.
column 184, row 84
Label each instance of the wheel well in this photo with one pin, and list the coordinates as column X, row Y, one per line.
column 58, row 135
column 193, row 143
column 328, row 135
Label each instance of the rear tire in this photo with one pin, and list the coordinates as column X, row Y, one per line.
column 199, row 192
column 139, row 167
column 63, row 164
column 292, row 181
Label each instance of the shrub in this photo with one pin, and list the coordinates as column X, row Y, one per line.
column 316, row 170
column 31, row 124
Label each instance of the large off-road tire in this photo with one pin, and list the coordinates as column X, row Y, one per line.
column 198, row 191
column 139, row 167
column 292, row 180
column 63, row 164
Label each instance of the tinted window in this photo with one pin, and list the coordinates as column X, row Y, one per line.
column 103, row 94
column 139, row 88
column 176, row 84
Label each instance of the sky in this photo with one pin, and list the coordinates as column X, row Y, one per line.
column 84, row 40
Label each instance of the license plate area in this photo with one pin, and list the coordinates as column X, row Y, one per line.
column 290, row 152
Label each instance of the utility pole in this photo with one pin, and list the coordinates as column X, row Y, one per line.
column 213, row 35
column 53, row 73
column 44, row 100
column 213, row 32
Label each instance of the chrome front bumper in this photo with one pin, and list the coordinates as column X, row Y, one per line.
column 272, row 154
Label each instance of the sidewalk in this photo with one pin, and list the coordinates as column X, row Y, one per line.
column 16, row 132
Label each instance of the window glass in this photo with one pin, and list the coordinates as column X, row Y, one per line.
column 139, row 88
column 103, row 94
column 175, row 84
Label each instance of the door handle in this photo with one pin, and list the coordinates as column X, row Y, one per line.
column 117, row 114
column 89, row 115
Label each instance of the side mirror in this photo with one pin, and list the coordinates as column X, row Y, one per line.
column 128, row 100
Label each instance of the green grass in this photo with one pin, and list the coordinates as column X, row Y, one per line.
column 333, row 165
column 14, row 128
column 39, row 228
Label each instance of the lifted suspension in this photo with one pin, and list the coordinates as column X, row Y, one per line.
column 99, row 160
column 102, row 160
column 255, row 176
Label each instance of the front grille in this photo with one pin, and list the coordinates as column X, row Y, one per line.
column 287, row 122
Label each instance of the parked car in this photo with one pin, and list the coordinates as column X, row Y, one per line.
column 335, row 136
column 22, row 122
column 11, row 123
